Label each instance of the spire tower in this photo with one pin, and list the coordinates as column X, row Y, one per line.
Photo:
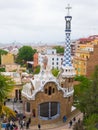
column 67, row 63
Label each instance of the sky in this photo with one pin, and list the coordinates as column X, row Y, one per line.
column 42, row 21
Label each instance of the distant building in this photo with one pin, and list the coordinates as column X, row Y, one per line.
column 35, row 60
column 54, row 60
column 86, row 58
column 7, row 59
column 12, row 67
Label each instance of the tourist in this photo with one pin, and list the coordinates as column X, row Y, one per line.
column 64, row 118
column 22, row 124
column 74, row 119
column 27, row 124
column 79, row 120
column 39, row 126
column 29, row 120
column 70, row 123
column 16, row 127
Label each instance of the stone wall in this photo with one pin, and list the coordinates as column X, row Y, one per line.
column 41, row 97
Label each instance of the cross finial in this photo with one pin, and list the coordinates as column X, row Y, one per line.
column 68, row 8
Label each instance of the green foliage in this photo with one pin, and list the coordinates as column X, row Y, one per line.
column 25, row 54
column 86, row 99
column 91, row 121
column 1, row 53
column 6, row 86
column 55, row 72
column 59, row 49
column 2, row 69
column 37, row 70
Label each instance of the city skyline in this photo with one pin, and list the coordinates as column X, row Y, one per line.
column 43, row 20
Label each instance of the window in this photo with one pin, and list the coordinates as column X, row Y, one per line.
column 52, row 63
column 28, row 107
column 69, row 80
column 49, row 91
column 68, row 99
column 49, row 110
column 62, row 85
column 53, row 90
column 52, row 52
column 52, row 58
column 86, row 57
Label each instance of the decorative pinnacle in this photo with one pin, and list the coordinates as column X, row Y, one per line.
column 68, row 8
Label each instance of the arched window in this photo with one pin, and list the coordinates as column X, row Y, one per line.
column 49, row 91
column 62, row 85
column 69, row 80
column 68, row 99
column 53, row 90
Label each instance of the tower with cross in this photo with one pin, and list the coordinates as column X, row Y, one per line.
column 67, row 61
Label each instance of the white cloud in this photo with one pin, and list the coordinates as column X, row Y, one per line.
column 43, row 20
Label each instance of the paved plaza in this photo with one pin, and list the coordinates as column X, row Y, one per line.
column 55, row 126
column 15, row 106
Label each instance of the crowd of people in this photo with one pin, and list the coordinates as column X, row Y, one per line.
column 22, row 124
column 73, row 121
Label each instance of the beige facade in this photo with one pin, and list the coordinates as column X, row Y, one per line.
column 12, row 67
column 7, row 59
column 86, row 58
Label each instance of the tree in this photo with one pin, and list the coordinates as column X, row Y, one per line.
column 59, row 49
column 55, row 72
column 2, row 52
column 81, row 92
column 91, row 122
column 25, row 54
column 6, row 86
column 86, row 99
column 37, row 70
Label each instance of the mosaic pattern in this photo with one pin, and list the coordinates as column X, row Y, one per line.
column 67, row 51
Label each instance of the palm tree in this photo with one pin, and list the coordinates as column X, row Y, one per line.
column 6, row 86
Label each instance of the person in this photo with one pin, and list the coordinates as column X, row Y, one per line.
column 8, row 126
column 79, row 120
column 16, row 127
column 27, row 125
column 11, row 125
column 74, row 119
column 22, row 124
column 64, row 118
column 39, row 126
column 70, row 123
column 29, row 120
column 19, row 120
